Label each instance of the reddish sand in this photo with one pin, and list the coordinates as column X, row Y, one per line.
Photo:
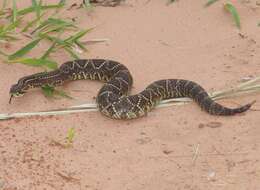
column 179, row 147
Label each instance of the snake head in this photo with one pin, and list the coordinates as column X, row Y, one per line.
column 15, row 91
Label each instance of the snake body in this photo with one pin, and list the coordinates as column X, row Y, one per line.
column 113, row 99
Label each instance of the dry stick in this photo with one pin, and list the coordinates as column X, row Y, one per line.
column 196, row 154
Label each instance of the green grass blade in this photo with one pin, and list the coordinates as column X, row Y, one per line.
column 37, row 8
column 52, row 47
column 24, row 50
column 36, row 62
column 44, row 24
column 78, row 35
column 61, row 4
column 53, row 24
column 32, row 23
column 43, row 7
column 57, row 28
column 13, row 25
column 8, row 37
column 4, row 54
column 80, row 45
column 230, row 8
column 61, row 43
column 72, row 53
column 14, row 12
column 4, row 4
column 210, row 2
column 6, row 32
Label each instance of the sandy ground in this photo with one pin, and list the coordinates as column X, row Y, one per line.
column 178, row 147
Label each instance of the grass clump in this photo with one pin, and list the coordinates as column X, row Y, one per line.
column 62, row 35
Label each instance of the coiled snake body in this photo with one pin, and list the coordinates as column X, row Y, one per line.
column 113, row 99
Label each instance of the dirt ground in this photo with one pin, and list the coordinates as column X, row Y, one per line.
column 178, row 147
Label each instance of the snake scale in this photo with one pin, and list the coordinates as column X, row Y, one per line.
column 113, row 99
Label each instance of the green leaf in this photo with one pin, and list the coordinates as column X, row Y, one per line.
column 48, row 91
column 24, row 50
column 230, row 8
column 36, row 62
column 210, row 2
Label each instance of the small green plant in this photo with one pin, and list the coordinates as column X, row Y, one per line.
column 232, row 10
column 70, row 136
column 50, row 91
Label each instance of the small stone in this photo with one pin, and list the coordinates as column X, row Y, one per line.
column 201, row 125
column 167, row 151
column 214, row 124
column 211, row 176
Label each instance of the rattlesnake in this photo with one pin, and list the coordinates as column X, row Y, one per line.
column 113, row 99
